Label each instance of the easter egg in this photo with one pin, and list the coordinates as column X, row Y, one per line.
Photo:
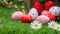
column 26, row 18
column 33, row 13
column 55, row 10
column 43, row 19
column 38, row 6
column 44, row 12
column 52, row 17
column 48, row 5
column 17, row 15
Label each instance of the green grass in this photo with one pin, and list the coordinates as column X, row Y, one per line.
column 9, row 26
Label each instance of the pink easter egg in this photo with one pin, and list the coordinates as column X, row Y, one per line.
column 44, row 12
column 17, row 15
column 43, row 19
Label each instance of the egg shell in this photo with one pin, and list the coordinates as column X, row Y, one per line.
column 55, row 10
column 43, row 19
column 52, row 17
column 17, row 15
column 38, row 6
column 33, row 13
column 48, row 5
column 26, row 18
column 44, row 12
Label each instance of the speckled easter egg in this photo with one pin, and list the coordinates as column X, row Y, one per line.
column 55, row 10
column 44, row 12
column 33, row 12
column 17, row 15
column 43, row 19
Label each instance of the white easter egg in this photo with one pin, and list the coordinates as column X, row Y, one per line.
column 55, row 10
column 33, row 12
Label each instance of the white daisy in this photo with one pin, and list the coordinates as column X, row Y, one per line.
column 52, row 24
column 35, row 25
column 57, row 27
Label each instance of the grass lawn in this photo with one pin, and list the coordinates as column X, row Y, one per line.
column 9, row 26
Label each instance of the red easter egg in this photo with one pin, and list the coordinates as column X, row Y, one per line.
column 51, row 17
column 38, row 6
column 26, row 18
column 48, row 5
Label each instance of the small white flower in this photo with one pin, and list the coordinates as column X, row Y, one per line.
column 52, row 24
column 57, row 27
column 35, row 25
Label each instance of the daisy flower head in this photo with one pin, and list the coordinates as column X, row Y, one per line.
column 52, row 24
column 35, row 25
column 57, row 27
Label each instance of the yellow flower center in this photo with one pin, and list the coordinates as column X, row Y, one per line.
column 58, row 28
column 35, row 25
column 52, row 25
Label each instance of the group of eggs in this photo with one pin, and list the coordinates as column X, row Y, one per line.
column 36, row 13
